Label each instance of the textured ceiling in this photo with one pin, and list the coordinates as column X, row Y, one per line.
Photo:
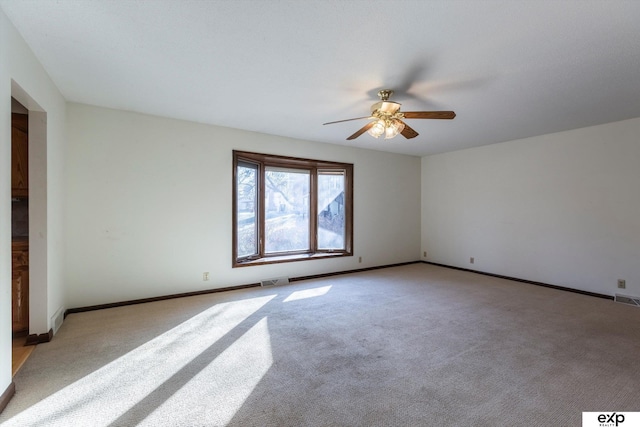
column 509, row 69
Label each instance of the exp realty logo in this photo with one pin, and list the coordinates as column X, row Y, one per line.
column 610, row 419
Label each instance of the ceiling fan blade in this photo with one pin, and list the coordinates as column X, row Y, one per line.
column 408, row 132
column 429, row 115
column 347, row 120
column 362, row 130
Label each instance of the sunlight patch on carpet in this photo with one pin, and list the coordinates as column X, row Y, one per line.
column 308, row 293
column 111, row 391
column 222, row 387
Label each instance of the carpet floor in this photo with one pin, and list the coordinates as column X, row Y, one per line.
column 416, row 345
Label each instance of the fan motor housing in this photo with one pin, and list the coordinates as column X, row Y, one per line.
column 386, row 107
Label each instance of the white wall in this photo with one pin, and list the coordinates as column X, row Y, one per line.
column 149, row 206
column 22, row 77
column 562, row 208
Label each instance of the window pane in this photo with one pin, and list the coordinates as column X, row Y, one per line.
column 286, row 201
column 331, row 213
column 247, row 209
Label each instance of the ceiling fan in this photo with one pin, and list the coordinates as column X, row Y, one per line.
column 386, row 119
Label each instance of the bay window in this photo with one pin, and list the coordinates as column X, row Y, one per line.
column 290, row 209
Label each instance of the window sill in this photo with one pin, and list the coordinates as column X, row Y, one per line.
column 289, row 258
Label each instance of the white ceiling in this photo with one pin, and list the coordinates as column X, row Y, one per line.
column 509, row 69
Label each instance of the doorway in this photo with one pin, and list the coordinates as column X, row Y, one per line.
column 30, row 193
column 19, row 234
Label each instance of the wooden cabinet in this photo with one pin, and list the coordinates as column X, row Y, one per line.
column 19, row 155
column 20, row 287
column 20, row 246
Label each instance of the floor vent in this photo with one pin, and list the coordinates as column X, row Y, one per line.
column 626, row 299
column 57, row 320
column 275, row 282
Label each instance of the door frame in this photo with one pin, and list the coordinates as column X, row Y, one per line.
column 38, row 220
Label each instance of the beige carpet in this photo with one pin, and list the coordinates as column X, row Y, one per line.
column 417, row 345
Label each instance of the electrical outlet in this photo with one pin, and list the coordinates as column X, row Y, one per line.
column 359, row 259
column 424, row 254
column 472, row 260
column 622, row 284
column 205, row 276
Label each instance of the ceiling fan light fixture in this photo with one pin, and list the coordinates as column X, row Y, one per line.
column 393, row 128
column 377, row 129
